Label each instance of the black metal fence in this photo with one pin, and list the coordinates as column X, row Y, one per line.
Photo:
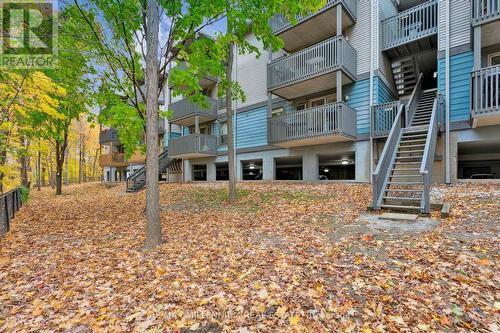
column 10, row 203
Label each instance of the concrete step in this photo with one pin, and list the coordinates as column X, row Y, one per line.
column 402, row 208
column 399, row 216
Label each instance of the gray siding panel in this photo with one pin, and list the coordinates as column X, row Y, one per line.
column 359, row 36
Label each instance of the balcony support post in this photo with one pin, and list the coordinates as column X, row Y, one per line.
column 477, row 47
column 339, row 73
column 197, row 124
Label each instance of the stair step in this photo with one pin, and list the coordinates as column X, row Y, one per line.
column 404, row 191
column 408, row 157
column 403, row 199
column 410, row 151
column 405, row 176
column 405, row 183
column 398, row 207
column 412, row 141
column 423, row 133
column 412, row 146
column 406, row 163
column 406, row 169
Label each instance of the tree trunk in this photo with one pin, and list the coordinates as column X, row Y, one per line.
column 39, row 171
column 66, row 167
column 24, row 161
column 60, row 154
column 51, row 169
column 153, row 225
column 229, row 112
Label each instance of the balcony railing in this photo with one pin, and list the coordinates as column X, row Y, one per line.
column 112, row 159
column 197, row 144
column 383, row 116
column 185, row 108
column 484, row 11
column 485, row 96
column 325, row 120
column 318, row 59
column 409, row 25
column 280, row 23
column 108, row 135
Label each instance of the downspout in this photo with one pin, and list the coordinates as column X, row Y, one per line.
column 373, row 4
column 235, row 114
column 447, row 93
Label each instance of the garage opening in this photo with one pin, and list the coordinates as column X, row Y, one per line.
column 200, row 172
column 252, row 170
column 337, row 167
column 288, row 168
column 479, row 160
column 221, row 171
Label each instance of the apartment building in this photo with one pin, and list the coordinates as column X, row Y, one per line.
column 400, row 93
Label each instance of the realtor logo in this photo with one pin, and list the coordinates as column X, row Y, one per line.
column 28, row 34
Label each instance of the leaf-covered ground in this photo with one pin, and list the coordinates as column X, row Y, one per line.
column 273, row 262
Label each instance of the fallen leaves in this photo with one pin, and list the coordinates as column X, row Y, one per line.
column 272, row 262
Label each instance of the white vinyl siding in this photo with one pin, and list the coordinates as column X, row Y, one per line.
column 358, row 36
column 460, row 24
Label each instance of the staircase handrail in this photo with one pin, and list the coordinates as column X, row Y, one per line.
column 413, row 102
column 142, row 170
column 380, row 175
column 428, row 156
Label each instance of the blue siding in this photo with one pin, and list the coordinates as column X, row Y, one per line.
column 251, row 128
column 359, row 99
column 382, row 93
column 460, row 72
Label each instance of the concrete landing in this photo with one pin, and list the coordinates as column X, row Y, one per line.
column 399, row 216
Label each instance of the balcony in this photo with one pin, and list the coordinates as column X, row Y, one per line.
column 312, row 69
column 383, row 116
column 485, row 96
column 112, row 160
column 411, row 31
column 328, row 123
column 193, row 146
column 315, row 26
column 185, row 112
column 108, row 136
column 485, row 11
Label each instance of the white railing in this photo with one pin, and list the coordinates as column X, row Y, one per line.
column 484, row 11
column 409, row 25
column 381, row 173
column 428, row 156
column 485, row 88
column 318, row 59
column 383, row 116
column 329, row 119
column 280, row 23
column 193, row 144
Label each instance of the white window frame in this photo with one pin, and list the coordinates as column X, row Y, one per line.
column 491, row 56
column 316, row 100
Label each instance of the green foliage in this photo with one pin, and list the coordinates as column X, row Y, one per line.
column 25, row 194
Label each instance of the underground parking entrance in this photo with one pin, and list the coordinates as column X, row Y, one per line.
column 288, row 168
column 479, row 160
column 336, row 166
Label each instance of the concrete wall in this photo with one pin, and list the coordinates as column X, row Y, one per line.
column 309, row 156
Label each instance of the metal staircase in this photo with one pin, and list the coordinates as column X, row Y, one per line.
column 404, row 72
column 137, row 180
column 402, row 178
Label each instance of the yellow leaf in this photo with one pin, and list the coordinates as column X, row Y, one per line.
column 294, row 320
column 281, row 311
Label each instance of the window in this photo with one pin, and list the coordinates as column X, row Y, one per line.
column 223, row 133
column 277, row 112
column 317, row 102
column 300, row 106
column 494, row 59
column 252, row 170
column 200, row 172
